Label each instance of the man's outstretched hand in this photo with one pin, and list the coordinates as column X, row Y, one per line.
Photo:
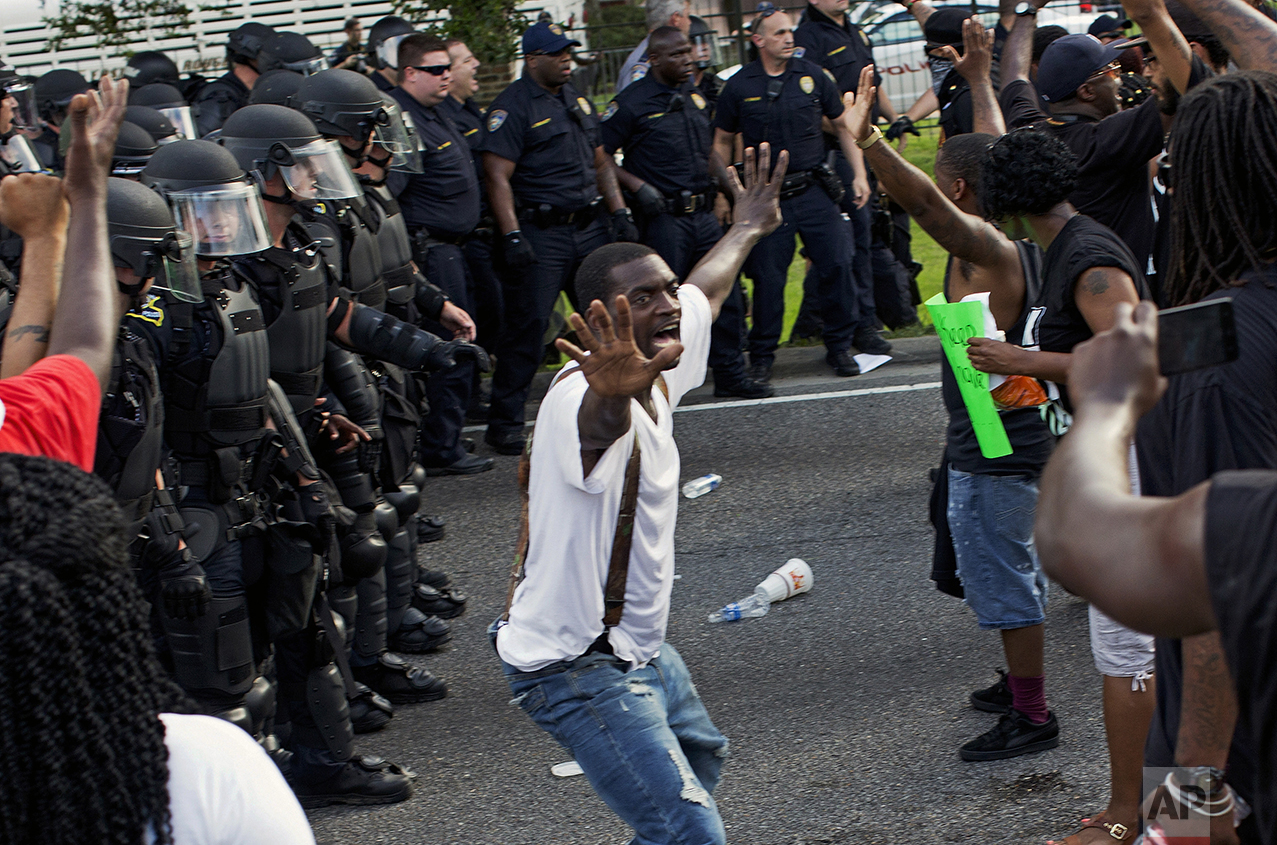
column 95, row 119
column 757, row 203
column 615, row 367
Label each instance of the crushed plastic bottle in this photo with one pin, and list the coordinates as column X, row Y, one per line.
column 748, row 608
column 700, row 486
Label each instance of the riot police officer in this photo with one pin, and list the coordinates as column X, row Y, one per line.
column 545, row 168
column 441, row 206
column 159, row 127
column 219, row 99
column 705, row 57
column 784, row 101
column 215, row 362
column 133, row 149
column 53, row 93
column 383, row 50
column 147, row 66
column 662, row 124
column 290, row 51
column 168, row 101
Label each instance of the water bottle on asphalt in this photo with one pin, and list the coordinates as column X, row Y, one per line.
column 700, row 486
column 749, row 608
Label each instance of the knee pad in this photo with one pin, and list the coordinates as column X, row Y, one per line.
column 387, row 519
column 406, row 501
column 417, row 473
column 213, row 653
column 363, row 549
column 260, row 702
column 370, row 621
column 344, row 602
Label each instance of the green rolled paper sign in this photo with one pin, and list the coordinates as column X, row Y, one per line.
column 955, row 322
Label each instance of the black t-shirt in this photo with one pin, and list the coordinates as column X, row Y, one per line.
column 1210, row 421
column 1241, row 569
column 1081, row 245
column 783, row 110
column 1031, row 439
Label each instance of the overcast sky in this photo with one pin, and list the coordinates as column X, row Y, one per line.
column 27, row 11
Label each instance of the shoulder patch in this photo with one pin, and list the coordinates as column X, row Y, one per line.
column 610, row 110
column 698, row 100
column 495, row 118
column 799, row 52
column 150, row 311
column 807, row 84
column 585, row 105
column 638, row 72
column 830, row 75
column 321, row 208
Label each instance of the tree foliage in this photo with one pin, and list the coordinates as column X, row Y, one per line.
column 116, row 23
column 490, row 28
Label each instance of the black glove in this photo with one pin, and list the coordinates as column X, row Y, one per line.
column 183, row 587
column 518, row 251
column 902, row 125
column 446, row 355
column 623, row 228
column 651, row 202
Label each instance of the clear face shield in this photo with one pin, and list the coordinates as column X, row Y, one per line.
column 177, row 272
column 317, row 171
column 705, row 50
column 388, row 51
column 397, row 137
column 224, row 219
column 19, row 155
column 306, row 67
column 183, row 122
column 23, row 105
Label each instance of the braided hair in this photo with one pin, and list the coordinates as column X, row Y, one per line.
column 1224, row 184
column 82, row 753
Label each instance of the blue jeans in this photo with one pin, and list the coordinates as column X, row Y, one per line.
column 643, row 739
column 991, row 520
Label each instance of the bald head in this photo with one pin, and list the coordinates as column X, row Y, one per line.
column 774, row 37
column 670, row 56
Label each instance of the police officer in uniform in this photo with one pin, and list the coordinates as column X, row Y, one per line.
column 441, row 207
column 220, row 98
column 545, row 168
column 825, row 36
column 705, row 57
column 662, row 124
column 215, row 363
column 383, row 50
column 784, row 101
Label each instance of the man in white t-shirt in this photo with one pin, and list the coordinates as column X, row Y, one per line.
column 619, row 697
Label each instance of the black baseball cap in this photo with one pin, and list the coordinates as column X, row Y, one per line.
column 545, row 37
column 1107, row 25
column 1070, row 61
column 944, row 27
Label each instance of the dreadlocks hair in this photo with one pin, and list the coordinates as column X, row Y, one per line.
column 82, row 754
column 1224, row 151
column 594, row 278
column 1026, row 172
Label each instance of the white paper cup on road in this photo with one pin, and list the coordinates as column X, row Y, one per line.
column 789, row 580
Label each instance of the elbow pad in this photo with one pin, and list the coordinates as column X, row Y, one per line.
column 354, row 387
column 379, row 335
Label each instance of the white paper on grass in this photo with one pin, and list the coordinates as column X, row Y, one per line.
column 991, row 330
column 867, row 362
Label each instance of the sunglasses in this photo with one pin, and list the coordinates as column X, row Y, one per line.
column 433, row 70
column 765, row 10
column 1113, row 69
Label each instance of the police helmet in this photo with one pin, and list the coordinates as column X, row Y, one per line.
column 145, row 239
column 160, row 128
column 55, row 90
column 268, row 139
column 14, row 86
column 151, row 66
column 134, row 147
column 398, row 137
column 383, row 41
column 245, row 43
column 705, row 49
column 341, row 102
column 169, row 102
column 290, row 51
column 275, row 87
column 211, row 197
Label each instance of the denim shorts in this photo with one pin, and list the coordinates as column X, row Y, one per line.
column 991, row 520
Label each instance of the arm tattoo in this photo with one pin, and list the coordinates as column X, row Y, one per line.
column 41, row 333
column 1096, row 282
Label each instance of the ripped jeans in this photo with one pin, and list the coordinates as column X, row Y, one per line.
column 643, row 739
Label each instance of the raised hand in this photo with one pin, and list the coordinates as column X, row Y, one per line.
column 858, row 107
column 757, row 204
column 33, row 205
column 977, row 52
column 95, row 119
column 612, row 363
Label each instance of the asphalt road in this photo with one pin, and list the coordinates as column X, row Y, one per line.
column 845, row 706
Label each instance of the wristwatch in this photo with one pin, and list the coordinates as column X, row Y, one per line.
column 875, row 135
column 1208, row 779
column 1024, row 10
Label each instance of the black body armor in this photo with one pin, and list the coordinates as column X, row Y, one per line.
column 130, row 428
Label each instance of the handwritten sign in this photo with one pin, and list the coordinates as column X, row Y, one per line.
column 955, row 323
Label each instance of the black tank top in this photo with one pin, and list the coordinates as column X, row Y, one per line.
column 1031, row 440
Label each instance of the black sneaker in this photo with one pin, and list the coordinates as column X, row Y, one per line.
column 399, row 681
column 1014, row 735
column 994, row 699
column 743, row 387
column 844, row 365
column 870, row 342
column 505, row 442
column 760, row 372
column 363, row 780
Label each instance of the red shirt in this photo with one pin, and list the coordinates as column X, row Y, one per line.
column 52, row 410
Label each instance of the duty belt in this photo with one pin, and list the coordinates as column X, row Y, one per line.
column 796, row 182
column 546, row 216
column 442, row 237
column 686, row 202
